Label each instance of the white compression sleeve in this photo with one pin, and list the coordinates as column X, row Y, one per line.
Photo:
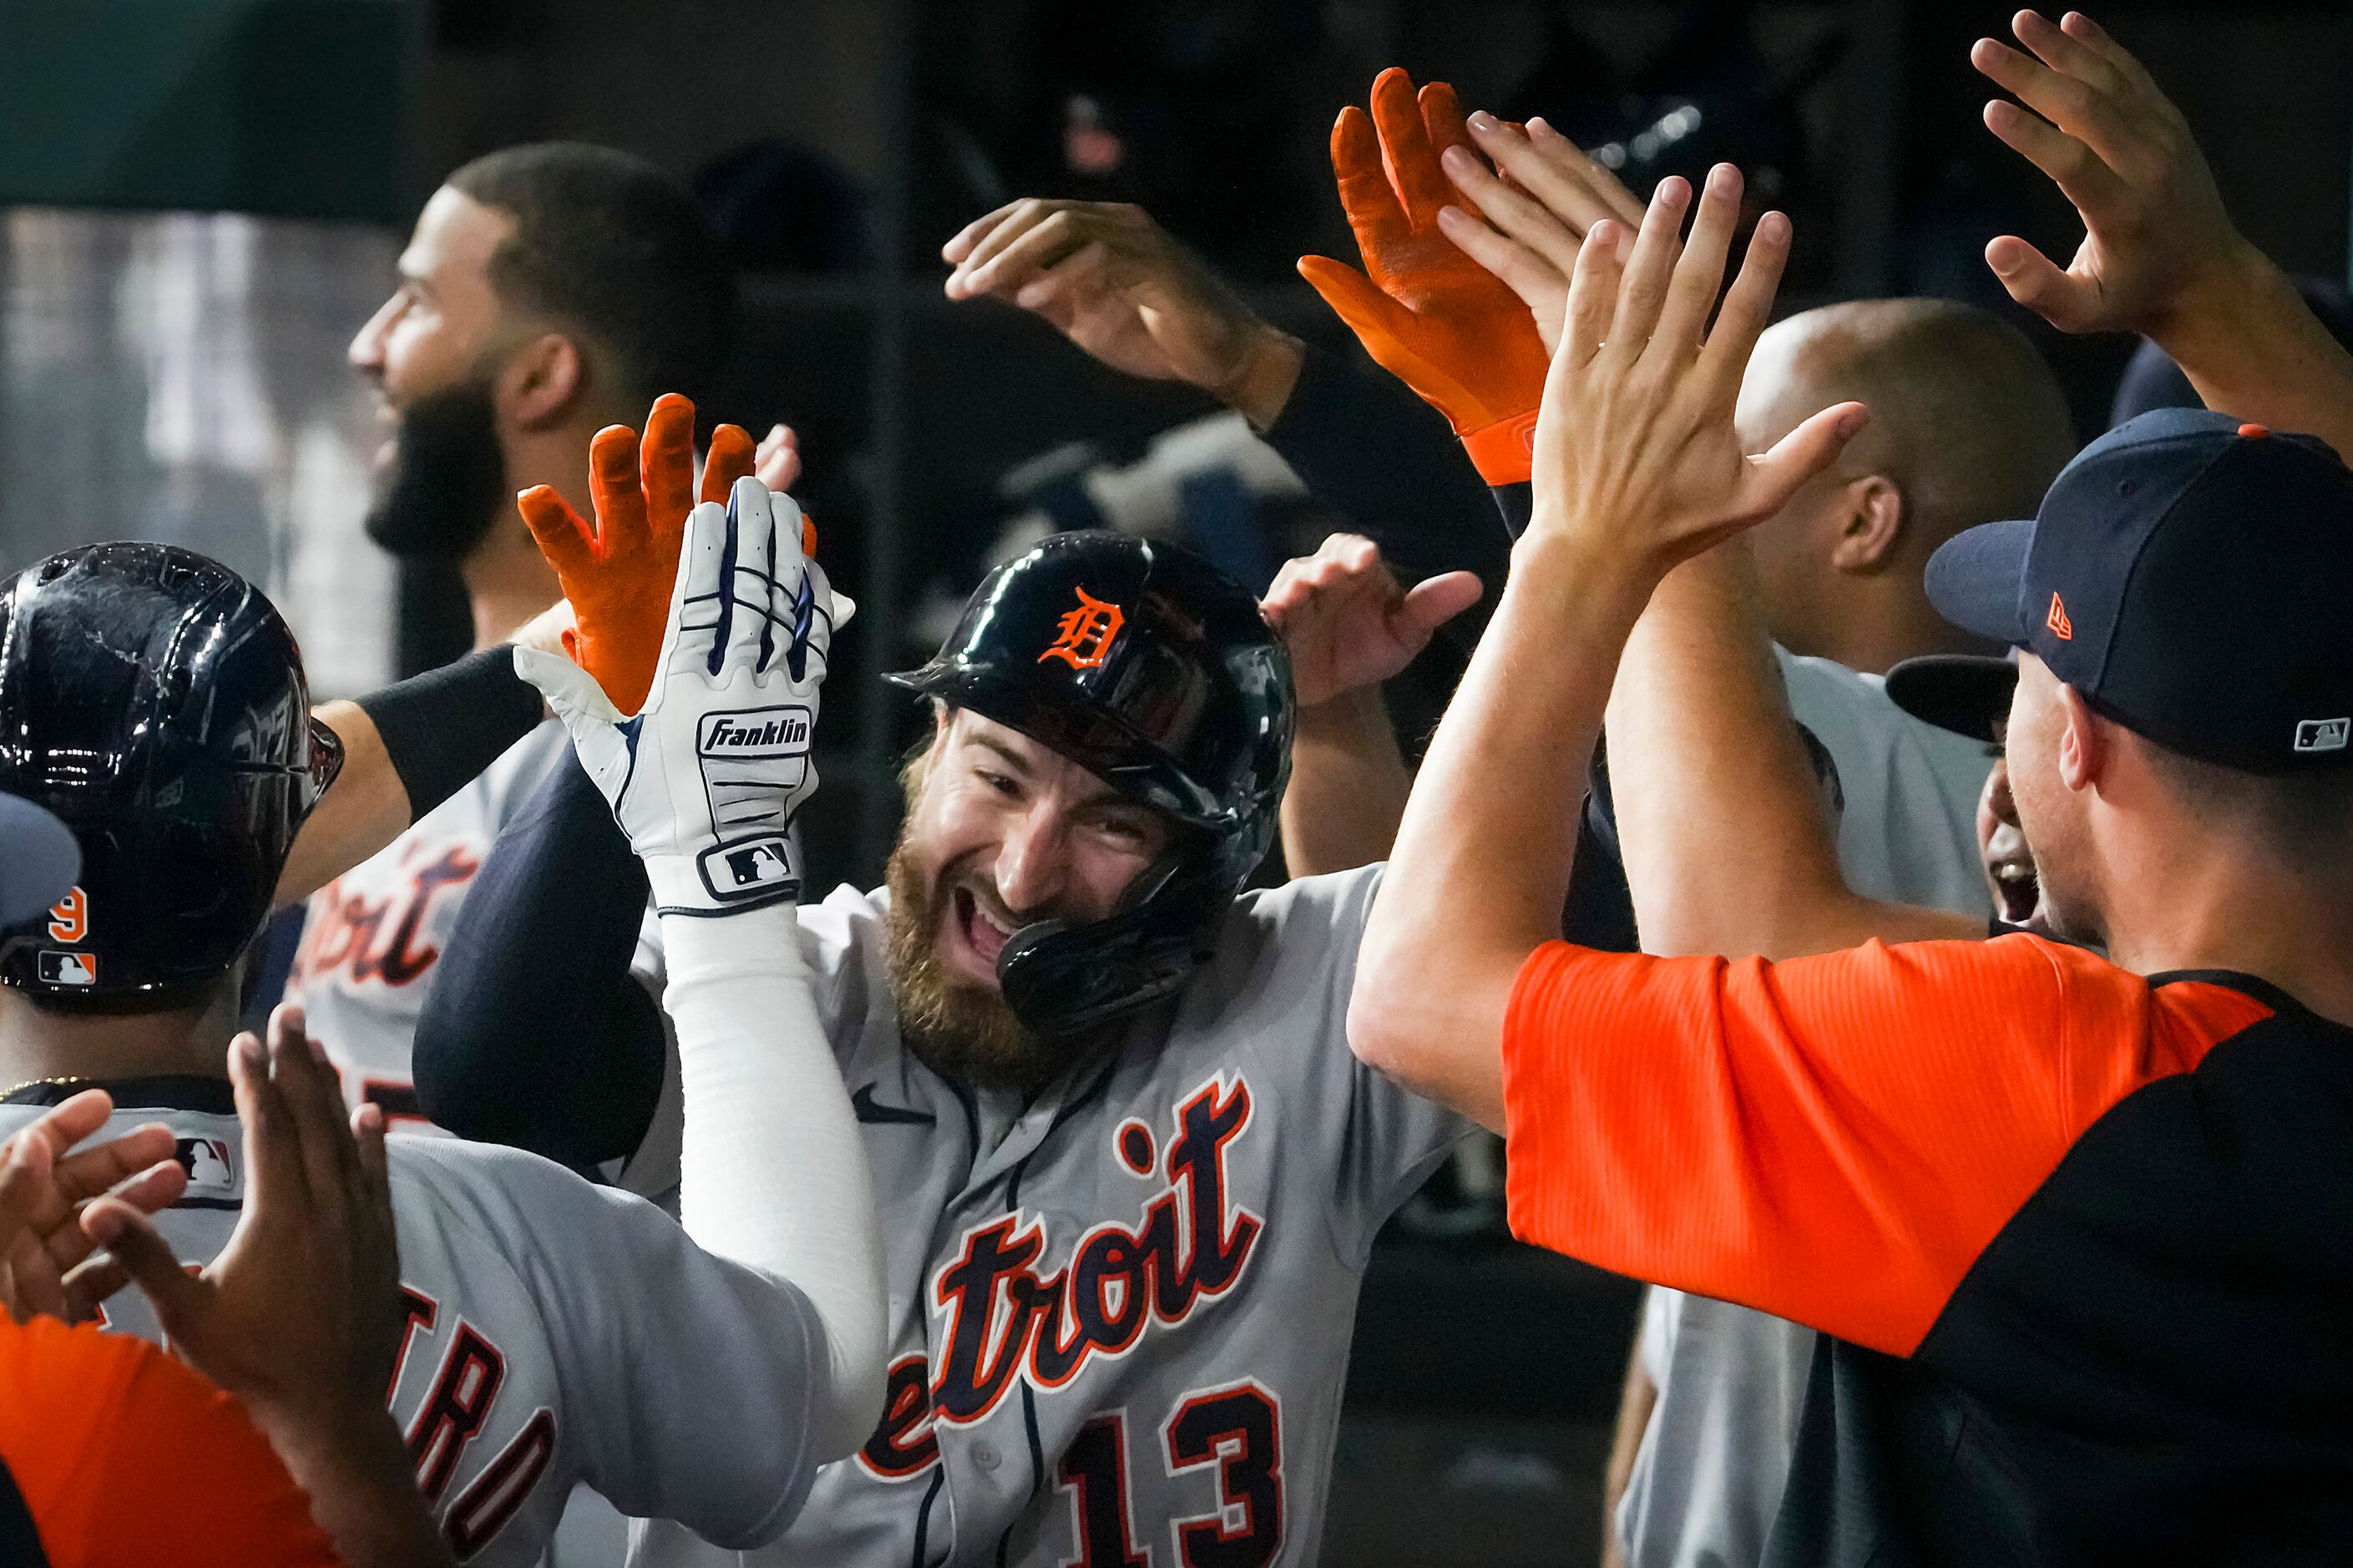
column 774, row 1173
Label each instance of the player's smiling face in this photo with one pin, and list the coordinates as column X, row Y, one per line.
column 1007, row 832
column 1001, row 832
column 431, row 333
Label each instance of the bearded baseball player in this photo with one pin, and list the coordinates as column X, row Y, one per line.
column 1131, row 1170
column 547, row 294
column 550, row 1331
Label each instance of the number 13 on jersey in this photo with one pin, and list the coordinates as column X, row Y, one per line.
column 1238, row 1429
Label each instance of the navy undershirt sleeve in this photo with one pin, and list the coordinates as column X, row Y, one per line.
column 536, row 1034
column 1385, row 462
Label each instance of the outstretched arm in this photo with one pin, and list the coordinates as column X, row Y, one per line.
column 1637, row 467
column 1122, row 288
column 2159, row 257
column 1726, row 846
column 705, row 783
column 1349, row 626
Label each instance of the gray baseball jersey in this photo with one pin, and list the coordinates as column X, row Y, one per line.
column 1121, row 1309
column 370, row 937
column 556, row 1332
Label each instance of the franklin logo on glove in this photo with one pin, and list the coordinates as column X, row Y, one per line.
column 769, row 733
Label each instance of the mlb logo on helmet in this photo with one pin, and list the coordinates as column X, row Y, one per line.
column 60, row 968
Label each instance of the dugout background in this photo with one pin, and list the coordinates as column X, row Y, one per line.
column 200, row 201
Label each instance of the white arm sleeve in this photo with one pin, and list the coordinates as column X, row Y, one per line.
column 773, row 1170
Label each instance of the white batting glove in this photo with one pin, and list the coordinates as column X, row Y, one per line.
column 705, row 779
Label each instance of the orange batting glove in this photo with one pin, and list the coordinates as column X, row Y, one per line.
column 618, row 575
column 1429, row 314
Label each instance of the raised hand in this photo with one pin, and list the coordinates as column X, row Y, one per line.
column 2156, row 236
column 44, row 1255
column 776, row 464
column 1536, row 221
column 705, row 779
column 1427, row 312
column 299, row 1316
column 1115, row 283
column 617, row 574
column 1635, row 456
column 1346, row 622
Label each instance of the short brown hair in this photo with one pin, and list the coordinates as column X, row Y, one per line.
column 609, row 244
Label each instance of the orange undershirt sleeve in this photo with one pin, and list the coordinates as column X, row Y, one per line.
column 123, row 1454
column 1833, row 1140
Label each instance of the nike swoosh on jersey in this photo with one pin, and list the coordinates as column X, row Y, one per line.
column 872, row 1113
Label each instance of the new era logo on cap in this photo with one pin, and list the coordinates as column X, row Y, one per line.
column 2060, row 626
column 2324, row 734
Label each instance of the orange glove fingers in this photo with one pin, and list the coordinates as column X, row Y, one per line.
column 732, row 457
column 1365, row 194
column 562, row 535
column 615, row 488
column 808, row 538
column 668, row 463
column 1422, row 187
column 1393, row 336
column 1442, row 122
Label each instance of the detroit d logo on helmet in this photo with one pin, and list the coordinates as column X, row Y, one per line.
column 1083, row 637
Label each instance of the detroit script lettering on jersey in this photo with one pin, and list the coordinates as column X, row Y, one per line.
column 376, row 937
column 1003, row 1321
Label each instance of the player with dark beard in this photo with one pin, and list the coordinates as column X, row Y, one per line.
column 547, row 294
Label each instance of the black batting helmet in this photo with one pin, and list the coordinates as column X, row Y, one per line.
column 153, row 700
column 1153, row 670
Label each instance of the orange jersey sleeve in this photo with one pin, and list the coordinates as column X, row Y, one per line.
column 123, row 1454
column 1833, row 1140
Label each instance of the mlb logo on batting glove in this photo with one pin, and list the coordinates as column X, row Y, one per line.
column 707, row 776
column 752, row 759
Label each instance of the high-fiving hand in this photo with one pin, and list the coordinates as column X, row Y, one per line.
column 1536, row 220
column 1428, row 313
column 706, row 777
column 1635, row 456
column 298, row 1315
column 1108, row 278
column 1346, row 622
column 2155, row 236
column 617, row 575
column 46, row 1266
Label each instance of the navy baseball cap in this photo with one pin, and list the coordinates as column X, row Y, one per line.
column 1966, row 693
column 39, row 860
column 2191, row 577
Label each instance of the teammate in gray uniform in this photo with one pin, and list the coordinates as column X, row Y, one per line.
column 551, row 1331
column 1131, row 1170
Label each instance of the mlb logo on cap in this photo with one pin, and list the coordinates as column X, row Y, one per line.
column 2192, row 578
column 60, row 968
column 2322, row 734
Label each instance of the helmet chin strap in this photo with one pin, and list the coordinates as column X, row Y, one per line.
column 1062, row 978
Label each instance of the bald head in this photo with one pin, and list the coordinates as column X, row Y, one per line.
column 1968, row 424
